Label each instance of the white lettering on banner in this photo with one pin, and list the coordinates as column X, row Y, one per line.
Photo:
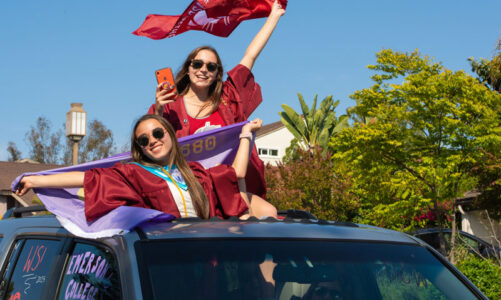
column 194, row 9
column 208, row 24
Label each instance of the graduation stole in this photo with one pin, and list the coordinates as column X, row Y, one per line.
column 173, row 175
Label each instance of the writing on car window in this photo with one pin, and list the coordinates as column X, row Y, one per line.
column 32, row 269
column 90, row 273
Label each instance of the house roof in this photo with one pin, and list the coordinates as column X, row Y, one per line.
column 10, row 170
column 468, row 197
column 269, row 128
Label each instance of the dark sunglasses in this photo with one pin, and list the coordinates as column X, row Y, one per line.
column 198, row 64
column 143, row 140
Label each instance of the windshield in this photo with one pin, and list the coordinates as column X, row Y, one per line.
column 271, row 269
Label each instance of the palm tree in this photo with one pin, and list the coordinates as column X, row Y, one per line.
column 314, row 127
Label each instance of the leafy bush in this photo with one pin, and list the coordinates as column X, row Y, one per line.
column 310, row 181
column 485, row 274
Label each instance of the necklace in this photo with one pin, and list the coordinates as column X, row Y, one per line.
column 191, row 100
column 196, row 110
column 163, row 170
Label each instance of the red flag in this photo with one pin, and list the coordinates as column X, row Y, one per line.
column 217, row 17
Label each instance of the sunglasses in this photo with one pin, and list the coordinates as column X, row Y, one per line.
column 198, row 64
column 144, row 140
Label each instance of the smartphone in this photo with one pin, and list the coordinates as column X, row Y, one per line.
column 164, row 75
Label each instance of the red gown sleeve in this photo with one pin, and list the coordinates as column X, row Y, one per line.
column 109, row 188
column 242, row 92
column 221, row 187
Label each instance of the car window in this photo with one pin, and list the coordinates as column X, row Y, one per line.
column 90, row 273
column 31, row 268
column 430, row 238
column 469, row 242
column 286, row 270
column 8, row 268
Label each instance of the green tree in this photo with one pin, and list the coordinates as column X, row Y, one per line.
column 98, row 143
column 431, row 125
column 315, row 126
column 313, row 183
column 489, row 71
column 489, row 171
column 14, row 153
column 44, row 144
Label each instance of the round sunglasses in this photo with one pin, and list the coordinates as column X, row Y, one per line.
column 198, row 64
column 144, row 140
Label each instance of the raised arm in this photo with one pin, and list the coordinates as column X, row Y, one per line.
column 242, row 157
column 61, row 180
column 262, row 37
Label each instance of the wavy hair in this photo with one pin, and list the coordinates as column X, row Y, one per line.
column 215, row 90
column 197, row 193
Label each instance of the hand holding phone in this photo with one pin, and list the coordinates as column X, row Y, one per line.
column 166, row 77
column 166, row 89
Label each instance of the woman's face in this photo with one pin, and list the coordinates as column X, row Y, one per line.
column 157, row 149
column 202, row 78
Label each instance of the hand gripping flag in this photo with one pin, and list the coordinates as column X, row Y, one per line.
column 210, row 148
column 217, row 17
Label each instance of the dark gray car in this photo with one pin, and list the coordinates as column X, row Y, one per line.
column 224, row 259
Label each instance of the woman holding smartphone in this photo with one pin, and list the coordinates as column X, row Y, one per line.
column 160, row 178
column 203, row 101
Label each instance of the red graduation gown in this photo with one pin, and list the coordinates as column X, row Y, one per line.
column 241, row 96
column 130, row 184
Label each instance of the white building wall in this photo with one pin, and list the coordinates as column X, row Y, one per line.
column 477, row 223
column 3, row 205
column 279, row 140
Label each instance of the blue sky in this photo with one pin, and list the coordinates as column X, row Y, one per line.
column 55, row 52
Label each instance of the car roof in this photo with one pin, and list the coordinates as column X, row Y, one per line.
column 271, row 228
column 42, row 221
column 186, row 228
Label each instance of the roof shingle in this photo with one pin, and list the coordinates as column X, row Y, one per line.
column 10, row 170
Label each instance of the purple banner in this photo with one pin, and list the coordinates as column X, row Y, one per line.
column 210, row 148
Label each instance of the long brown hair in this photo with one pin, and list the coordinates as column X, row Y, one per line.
column 200, row 201
column 216, row 88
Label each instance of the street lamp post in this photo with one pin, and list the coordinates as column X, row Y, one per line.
column 75, row 127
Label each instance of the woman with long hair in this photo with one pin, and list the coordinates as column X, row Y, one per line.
column 204, row 101
column 159, row 178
